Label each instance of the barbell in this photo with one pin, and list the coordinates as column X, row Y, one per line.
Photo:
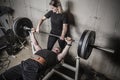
column 22, row 26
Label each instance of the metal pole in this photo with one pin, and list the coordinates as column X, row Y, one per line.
column 77, row 67
column 49, row 75
column 103, row 49
column 69, row 67
column 29, row 29
column 49, row 34
column 33, row 49
column 63, row 75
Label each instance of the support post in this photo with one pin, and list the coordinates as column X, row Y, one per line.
column 77, row 67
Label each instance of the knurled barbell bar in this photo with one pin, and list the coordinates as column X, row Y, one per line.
column 86, row 42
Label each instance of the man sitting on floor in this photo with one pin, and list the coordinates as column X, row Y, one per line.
column 31, row 68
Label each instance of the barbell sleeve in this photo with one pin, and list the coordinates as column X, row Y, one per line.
column 27, row 28
column 103, row 49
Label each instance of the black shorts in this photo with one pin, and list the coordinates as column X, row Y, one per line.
column 27, row 70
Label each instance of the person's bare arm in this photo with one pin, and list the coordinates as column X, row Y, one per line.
column 34, row 42
column 40, row 22
column 65, row 50
column 64, row 31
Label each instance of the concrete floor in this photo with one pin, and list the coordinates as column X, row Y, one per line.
column 16, row 59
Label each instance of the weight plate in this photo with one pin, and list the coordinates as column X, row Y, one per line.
column 81, row 42
column 19, row 24
column 84, row 49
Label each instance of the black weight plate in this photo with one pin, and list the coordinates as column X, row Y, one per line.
column 81, row 42
column 90, row 41
column 19, row 24
column 85, row 48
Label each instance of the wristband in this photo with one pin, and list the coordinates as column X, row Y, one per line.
column 69, row 44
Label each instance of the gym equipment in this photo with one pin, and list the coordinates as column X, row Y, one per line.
column 74, row 69
column 87, row 38
column 19, row 24
column 22, row 27
column 86, row 44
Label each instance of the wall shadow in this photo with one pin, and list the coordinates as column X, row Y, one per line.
column 114, row 42
column 70, row 16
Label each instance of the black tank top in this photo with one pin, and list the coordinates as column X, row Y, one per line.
column 49, row 56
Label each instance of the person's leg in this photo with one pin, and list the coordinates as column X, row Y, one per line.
column 62, row 43
column 31, row 70
column 12, row 73
column 30, row 75
column 51, row 42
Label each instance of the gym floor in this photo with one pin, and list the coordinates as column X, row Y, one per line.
column 9, row 61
